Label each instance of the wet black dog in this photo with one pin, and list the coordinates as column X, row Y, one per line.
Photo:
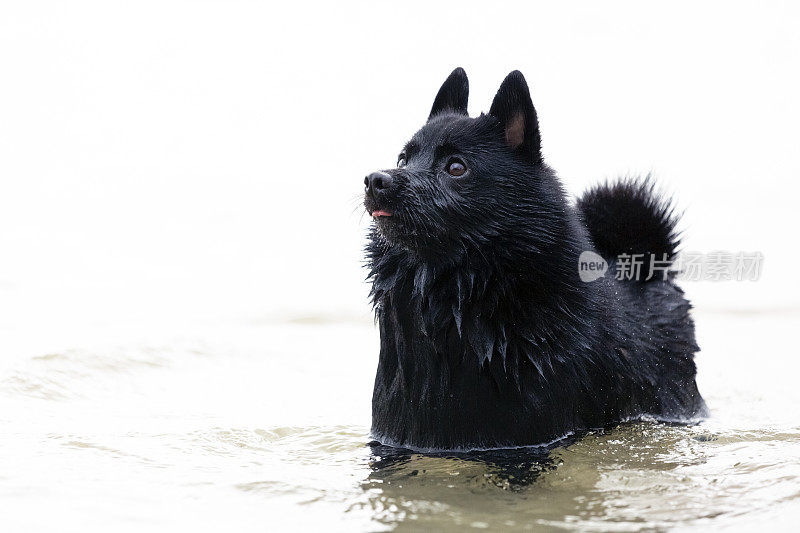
column 489, row 336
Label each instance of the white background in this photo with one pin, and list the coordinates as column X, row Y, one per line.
column 204, row 160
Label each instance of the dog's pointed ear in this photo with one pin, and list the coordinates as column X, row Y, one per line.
column 453, row 95
column 513, row 107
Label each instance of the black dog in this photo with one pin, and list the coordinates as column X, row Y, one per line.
column 489, row 338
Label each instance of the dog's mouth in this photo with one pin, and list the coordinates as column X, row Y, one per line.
column 380, row 210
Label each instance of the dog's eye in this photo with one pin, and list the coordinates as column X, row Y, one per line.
column 401, row 161
column 456, row 167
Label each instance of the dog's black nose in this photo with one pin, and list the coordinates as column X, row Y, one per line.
column 377, row 182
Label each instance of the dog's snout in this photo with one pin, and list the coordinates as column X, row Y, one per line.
column 377, row 182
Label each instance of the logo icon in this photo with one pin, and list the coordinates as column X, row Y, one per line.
column 591, row 266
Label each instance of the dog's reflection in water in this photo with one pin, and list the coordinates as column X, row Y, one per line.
column 510, row 469
column 438, row 490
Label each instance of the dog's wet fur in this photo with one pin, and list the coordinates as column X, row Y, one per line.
column 489, row 338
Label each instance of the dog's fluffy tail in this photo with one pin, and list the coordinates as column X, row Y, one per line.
column 628, row 216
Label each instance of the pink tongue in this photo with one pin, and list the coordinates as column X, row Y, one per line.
column 379, row 213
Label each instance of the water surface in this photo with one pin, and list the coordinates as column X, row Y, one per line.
column 263, row 426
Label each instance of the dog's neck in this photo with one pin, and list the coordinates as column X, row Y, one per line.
column 480, row 309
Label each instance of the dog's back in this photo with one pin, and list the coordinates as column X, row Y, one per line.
column 634, row 229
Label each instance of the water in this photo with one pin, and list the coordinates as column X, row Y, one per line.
column 263, row 426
